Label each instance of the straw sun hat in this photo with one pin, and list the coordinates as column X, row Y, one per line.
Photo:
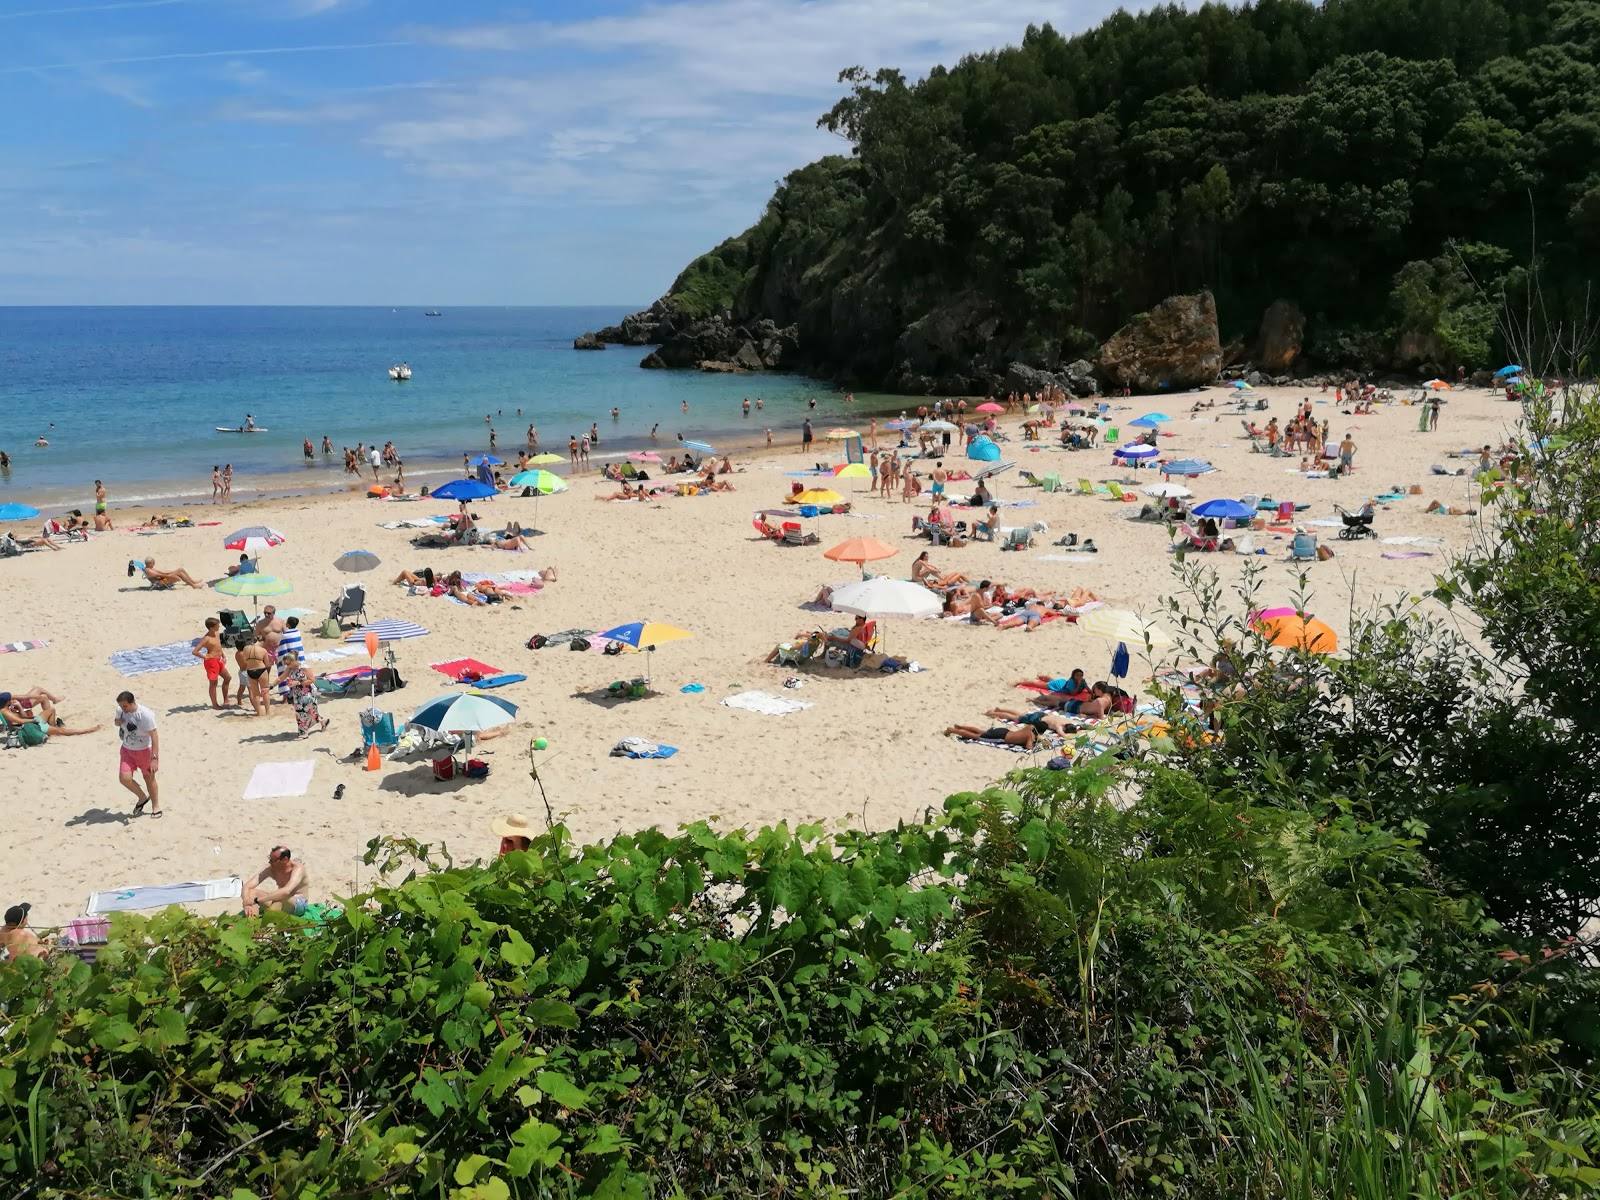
column 515, row 825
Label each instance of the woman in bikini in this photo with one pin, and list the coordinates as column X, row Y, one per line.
column 253, row 663
column 454, row 587
column 928, row 575
column 422, row 578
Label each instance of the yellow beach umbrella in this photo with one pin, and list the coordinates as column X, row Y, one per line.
column 644, row 635
column 818, row 496
column 1119, row 625
column 840, row 435
column 853, row 471
column 541, row 459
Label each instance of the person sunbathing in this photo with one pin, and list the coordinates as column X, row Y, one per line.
column 1023, row 736
column 925, row 573
column 489, row 589
column 628, row 492
column 978, row 606
column 712, row 484
column 33, row 695
column 453, row 586
column 421, row 578
column 1098, row 703
column 176, row 575
column 1038, row 718
column 43, row 719
column 1030, row 614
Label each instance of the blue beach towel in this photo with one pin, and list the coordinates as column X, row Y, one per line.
column 494, row 681
column 660, row 752
column 146, row 660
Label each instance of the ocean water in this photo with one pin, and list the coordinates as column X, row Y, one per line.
column 133, row 395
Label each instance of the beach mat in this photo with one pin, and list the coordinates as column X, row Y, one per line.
column 163, row 894
column 455, row 668
column 636, row 747
column 766, row 704
column 19, row 647
column 146, row 660
column 494, row 681
column 271, row 781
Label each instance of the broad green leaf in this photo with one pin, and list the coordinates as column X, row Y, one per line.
column 561, row 1089
column 535, row 1146
column 467, row 1169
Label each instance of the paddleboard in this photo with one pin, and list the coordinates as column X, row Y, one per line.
column 225, row 429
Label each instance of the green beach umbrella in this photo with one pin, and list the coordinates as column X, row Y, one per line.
column 542, row 482
column 254, row 586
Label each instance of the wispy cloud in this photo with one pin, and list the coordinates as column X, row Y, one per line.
column 195, row 55
column 73, row 10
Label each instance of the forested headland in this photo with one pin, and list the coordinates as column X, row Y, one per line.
column 1388, row 170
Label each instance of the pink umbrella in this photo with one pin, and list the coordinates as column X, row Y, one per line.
column 1267, row 614
column 989, row 407
column 645, row 456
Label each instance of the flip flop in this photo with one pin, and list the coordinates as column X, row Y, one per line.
column 139, row 807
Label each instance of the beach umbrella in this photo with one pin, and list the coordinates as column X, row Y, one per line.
column 852, row 471
column 819, row 496
column 700, row 447
column 387, row 631
column 1151, row 418
column 464, row 489
column 1512, row 370
column 837, row 435
column 253, row 538
column 356, row 560
column 1167, row 491
column 938, row 426
column 1266, row 614
column 645, row 456
column 646, row 636
column 1136, row 452
column 860, row 550
column 1146, row 422
column 992, row 470
column 1224, row 510
column 488, row 460
column 1298, row 631
column 1120, row 625
column 1438, row 385
column 1187, row 466
column 464, row 712
column 17, row 512
column 542, row 482
column 541, row 459
column 881, row 598
column 990, row 407
column 254, row 586
column 1241, row 385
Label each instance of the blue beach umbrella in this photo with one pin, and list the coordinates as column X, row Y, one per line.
column 700, row 447
column 488, row 460
column 1187, row 466
column 1228, row 510
column 1151, row 418
column 464, row 489
column 1511, row 370
column 1145, row 422
column 464, row 712
column 17, row 512
column 1136, row 451
column 1241, row 385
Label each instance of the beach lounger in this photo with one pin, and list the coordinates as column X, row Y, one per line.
column 145, row 575
column 1303, row 548
column 1029, row 477
column 1085, row 488
column 350, row 602
column 1195, row 540
column 1019, row 538
column 793, row 536
column 1117, row 493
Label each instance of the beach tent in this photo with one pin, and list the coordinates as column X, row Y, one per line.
column 983, row 450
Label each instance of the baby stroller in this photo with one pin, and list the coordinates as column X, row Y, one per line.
column 1356, row 525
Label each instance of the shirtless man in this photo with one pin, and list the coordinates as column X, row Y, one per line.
column 269, row 630
column 1023, row 737
column 16, row 939
column 1039, row 718
column 102, row 519
column 209, row 652
column 254, row 666
column 282, row 885
column 176, row 575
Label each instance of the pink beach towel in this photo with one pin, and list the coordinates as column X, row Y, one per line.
column 465, row 666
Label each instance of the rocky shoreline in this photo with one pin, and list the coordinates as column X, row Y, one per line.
column 1173, row 347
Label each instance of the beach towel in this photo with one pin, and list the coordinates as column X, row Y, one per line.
column 163, row 894
column 1408, row 554
column 330, row 655
column 494, row 681
column 1413, row 540
column 19, row 647
column 637, row 747
column 269, row 781
column 350, row 673
column 458, row 667
column 412, row 523
column 766, row 704
column 146, row 660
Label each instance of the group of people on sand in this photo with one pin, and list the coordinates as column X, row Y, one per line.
column 1066, row 704
column 452, row 584
column 270, row 655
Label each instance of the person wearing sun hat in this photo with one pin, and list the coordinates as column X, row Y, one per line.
column 514, row 831
column 16, row 939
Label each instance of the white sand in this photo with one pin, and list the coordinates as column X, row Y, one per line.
column 869, row 745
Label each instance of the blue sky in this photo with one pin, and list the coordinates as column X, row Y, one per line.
column 386, row 151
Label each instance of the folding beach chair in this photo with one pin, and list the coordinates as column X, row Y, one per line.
column 157, row 585
column 350, row 602
column 1303, row 548
column 1117, row 493
column 1019, row 538
column 1085, row 488
column 794, row 536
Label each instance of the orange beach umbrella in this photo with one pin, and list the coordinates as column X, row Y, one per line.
column 860, row 550
column 1302, row 633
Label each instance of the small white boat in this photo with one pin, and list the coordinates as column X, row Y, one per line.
column 400, row 372
column 253, row 429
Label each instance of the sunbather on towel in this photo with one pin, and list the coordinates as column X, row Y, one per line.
column 419, row 578
column 1038, row 718
column 176, row 575
column 1023, row 736
column 925, row 573
column 43, row 720
column 1030, row 614
column 454, row 587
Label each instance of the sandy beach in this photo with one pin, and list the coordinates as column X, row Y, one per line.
column 869, row 747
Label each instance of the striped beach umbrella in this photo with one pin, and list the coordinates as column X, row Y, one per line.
column 253, row 539
column 388, row 631
column 542, row 482
column 464, row 712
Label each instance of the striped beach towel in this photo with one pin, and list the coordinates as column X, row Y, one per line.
column 388, row 631
column 19, row 647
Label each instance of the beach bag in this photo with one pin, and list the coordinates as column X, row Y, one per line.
column 477, row 769
column 1122, row 704
column 612, row 648
column 537, row 641
column 444, row 769
column 330, row 628
column 578, row 644
column 387, row 679
column 1324, row 553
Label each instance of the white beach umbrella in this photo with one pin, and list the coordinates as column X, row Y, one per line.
column 1167, row 491
column 1120, row 625
column 882, row 598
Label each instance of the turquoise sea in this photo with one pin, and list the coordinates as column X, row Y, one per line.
column 133, row 395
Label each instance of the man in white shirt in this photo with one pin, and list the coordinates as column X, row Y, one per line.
column 375, row 460
column 141, row 751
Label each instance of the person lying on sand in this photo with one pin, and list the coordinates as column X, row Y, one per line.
column 33, row 695
column 1038, row 718
column 43, row 717
column 1023, row 736
column 1030, row 614
column 176, row 575
column 419, row 578
column 1451, row 510
column 925, row 573
column 627, row 493
column 454, row 587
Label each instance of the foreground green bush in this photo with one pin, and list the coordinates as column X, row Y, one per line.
column 1034, row 993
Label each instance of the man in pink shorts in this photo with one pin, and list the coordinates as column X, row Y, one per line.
column 141, row 751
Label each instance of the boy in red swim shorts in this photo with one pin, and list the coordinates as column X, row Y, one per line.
column 209, row 651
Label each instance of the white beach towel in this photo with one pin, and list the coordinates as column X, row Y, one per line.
column 331, row 655
column 163, row 894
column 766, row 704
column 272, row 780
column 1413, row 540
column 1072, row 558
